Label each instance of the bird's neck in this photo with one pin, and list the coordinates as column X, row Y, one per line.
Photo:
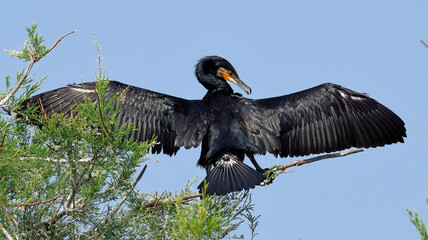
column 214, row 85
column 220, row 90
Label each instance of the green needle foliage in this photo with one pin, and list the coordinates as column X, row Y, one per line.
column 419, row 224
column 74, row 178
column 33, row 46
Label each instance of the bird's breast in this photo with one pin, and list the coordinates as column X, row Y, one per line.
column 232, row 128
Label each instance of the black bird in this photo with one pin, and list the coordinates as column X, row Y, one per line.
column 229, row 126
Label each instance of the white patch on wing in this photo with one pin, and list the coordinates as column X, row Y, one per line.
column 356, row 98
column 82, row 90
column 344, row 95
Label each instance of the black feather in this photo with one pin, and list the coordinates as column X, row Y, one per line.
column 230, row 174
column 325, row 118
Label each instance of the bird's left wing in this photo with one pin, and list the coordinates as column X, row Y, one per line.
column 327, row 118
column 176, row 122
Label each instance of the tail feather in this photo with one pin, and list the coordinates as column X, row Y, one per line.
column 231, row 175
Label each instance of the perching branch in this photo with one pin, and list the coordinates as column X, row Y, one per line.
column 152, row 202
column 297, row 163
column 272, row 173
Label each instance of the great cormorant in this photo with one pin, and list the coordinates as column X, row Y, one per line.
column 324, row 118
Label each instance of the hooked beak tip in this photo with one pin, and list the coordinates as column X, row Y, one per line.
column 244, row 87
column 238, row 82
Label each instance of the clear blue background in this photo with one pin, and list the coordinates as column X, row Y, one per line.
column 277, row 47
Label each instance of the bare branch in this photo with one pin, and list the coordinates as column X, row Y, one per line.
column 8, row 123
column 36, row 203
column 66, row 209
column 59, row 40
column 18, row 85
column 43, row 111
column 2, row 130
column 314, row 159
column 129, row 191
column 5, row 232
column 297, row 163
column 422, row 41
column 9, row 219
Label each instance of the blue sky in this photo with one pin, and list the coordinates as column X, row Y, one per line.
column 277, row 47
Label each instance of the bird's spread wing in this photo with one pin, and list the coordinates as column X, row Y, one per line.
column 328, row 118
column 176, row 122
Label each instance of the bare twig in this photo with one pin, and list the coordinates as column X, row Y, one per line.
column 44, row 112
column 9, row 219
column 297, row 163
column 126, row 195
column 36, row 203
column 59, row 40
column 422, row 41
column 5, row 232
column 44, row 142
column 18, row 85
column 8, row 123
column 2, row 130
column 2, row 141
column 66, row 209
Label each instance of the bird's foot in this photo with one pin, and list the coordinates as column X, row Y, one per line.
column 269, row 176
column 267, row 181
column 262, row 170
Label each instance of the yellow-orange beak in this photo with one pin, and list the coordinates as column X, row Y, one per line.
column 230, row 76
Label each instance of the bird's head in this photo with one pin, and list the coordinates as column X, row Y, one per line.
column 214, row 71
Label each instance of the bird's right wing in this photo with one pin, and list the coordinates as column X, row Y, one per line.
column 176, row 122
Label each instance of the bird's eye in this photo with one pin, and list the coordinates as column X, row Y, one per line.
column 221, row 72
